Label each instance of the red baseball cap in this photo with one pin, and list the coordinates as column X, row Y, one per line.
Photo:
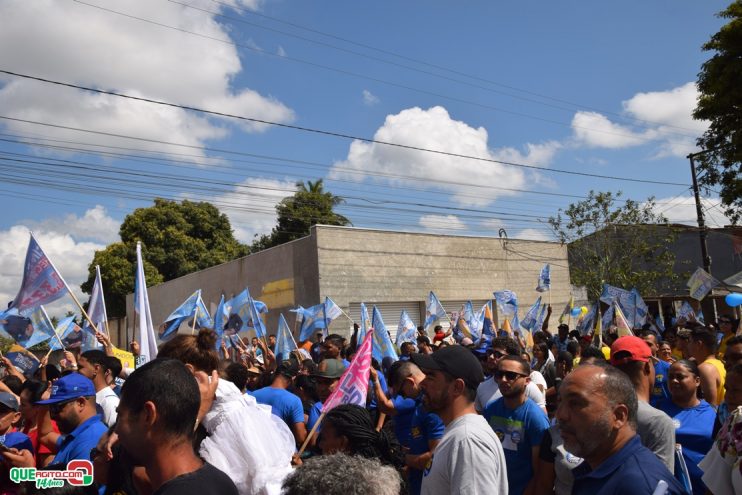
column 631, row 348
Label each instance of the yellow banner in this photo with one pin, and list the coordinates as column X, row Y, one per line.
column 126, row 358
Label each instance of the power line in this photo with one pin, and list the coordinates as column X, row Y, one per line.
column 362, row 76
column 417, row 61
column 332, row 133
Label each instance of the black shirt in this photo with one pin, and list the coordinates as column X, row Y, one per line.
column 206, row 480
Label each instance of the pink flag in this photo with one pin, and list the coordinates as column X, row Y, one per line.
column 353, row 384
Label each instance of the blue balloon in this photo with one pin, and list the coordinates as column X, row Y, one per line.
column 576, row 311
column 733, row 299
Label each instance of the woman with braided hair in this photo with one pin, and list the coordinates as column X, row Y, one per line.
column 348, row 429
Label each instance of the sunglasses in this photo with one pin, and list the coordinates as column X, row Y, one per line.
column 510, row 375
column 55, row 408
column 497, row 354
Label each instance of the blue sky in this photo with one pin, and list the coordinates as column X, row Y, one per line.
column 596, row 87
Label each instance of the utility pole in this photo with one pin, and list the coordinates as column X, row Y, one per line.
column 701, row 221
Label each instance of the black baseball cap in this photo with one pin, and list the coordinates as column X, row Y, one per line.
column 456, row 360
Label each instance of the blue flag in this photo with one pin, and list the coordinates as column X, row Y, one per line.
column 316, row 318
column 41, row 283
column 406, row 330
column 66, row 334
column 585, row 326
column 434, row 312
column 489, row 331
column 220, row 321
column 285, row 342
column 541, row 317
column 365, row 325
column 473, row 321
column 544, row 279
column 43, row 329
column 193, row 307
column 238, row 309
column 25, row 362
column 531, row 316
column 256, row 322
column 507, row 302
column 382, row 344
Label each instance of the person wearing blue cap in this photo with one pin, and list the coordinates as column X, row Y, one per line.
column 72, row 406
column 10, row 414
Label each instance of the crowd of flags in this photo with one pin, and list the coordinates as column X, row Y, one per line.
column 27, row 322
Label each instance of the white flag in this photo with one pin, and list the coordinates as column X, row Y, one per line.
column 145, row 334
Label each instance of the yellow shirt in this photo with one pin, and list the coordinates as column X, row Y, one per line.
column 722, row 374
column 723, row 346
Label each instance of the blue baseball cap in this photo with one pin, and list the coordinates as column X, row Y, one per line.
column 70, row 387
column 9, row 400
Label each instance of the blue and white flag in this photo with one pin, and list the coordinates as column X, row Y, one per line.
column 382, row 343
column 607, row 321
column 365, row 325
column 256, row 321
column 486, row 316
column 474, row 321
column 585, row 326
column 641, row 311
column 332, row 311
column 434, row 312
column 220, row 321
column 43, row 329
column 507, row 302
column 531, row 316
column 686, row 312
column 193, row 307
column 544, row 279
column 68, row 333
column 238, row 308
column 285, row 343
column 541, row 317
column 406, row 330
column 660, row 324
column 41, row 283
column 145, row 333
column 701, row 283
column 631, row 303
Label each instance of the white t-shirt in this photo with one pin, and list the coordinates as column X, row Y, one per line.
column 538, row 379
column 107, row 401
column 468, row 460
column 488, row 391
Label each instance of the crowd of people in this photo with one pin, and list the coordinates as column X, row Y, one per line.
column 571, row 414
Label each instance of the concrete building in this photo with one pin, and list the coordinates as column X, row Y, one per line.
column 393, row 270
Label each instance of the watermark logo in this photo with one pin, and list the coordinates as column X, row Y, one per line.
column 78, row 473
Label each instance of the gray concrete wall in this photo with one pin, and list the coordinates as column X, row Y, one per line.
column 380, row 266
column 283, row 277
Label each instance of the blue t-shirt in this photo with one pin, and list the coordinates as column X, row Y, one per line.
column 425, row 426
column 284, row 404
column 519, row 430
column 382, row 383
column 694, row 431
column 660, row 390
column 634, row 470
column 79, row 443
column 314, row 413
column 403, row 419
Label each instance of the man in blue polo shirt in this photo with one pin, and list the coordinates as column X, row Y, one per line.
column 660, row 389
column 597, row 420
column 284, row 404
column 72, row 406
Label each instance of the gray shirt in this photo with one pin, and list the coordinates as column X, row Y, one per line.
column 657, row 432
column 468, row 460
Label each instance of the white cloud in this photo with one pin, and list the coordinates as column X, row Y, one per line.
column 683, row 210
column 84, row 45
column 435, row 129
column 369, row 98
column 661, row 118
column 93, row 225
column 443, row 224
column 281, row 52
column 70, row 256
column 254, row 206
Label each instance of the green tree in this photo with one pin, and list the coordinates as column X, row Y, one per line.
column 720, row 102
column 624, row 245
column 177, row 238
column 310, row 205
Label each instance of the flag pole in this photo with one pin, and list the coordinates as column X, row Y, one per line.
column 311, row 433
column 97, row 273
column 49, row 321
column 195, row 317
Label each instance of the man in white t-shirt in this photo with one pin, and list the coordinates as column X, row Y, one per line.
column 92, row 365
column 488, row 389
column 469, row 458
